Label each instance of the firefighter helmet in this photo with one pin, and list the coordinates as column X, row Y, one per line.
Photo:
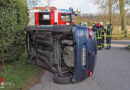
column 98, row 25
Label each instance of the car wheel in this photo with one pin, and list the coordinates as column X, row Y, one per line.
column 66, row 79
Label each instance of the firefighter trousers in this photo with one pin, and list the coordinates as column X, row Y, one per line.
column 99, row 43
column 108, row 42
column 102, row 39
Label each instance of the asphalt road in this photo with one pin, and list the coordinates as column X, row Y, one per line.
column 112, row 72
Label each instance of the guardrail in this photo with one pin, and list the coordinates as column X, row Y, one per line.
column 120, row 34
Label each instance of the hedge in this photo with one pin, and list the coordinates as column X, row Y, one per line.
column 13, row 19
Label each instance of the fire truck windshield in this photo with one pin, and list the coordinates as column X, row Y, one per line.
column 66, row 17
column 46, row 17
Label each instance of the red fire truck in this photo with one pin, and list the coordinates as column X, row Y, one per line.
column 55, row 43
column 51, row 16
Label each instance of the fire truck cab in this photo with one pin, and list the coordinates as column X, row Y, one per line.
column 51, row 16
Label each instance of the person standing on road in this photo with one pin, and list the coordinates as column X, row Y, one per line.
column 108, row 36
column 99, row 37
column 94, row 28
column 102, row 33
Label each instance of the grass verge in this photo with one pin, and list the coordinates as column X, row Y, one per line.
column 18, row 74
column 128, row 47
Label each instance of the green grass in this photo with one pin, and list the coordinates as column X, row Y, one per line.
column 120, row 38
column 128, row 47
column 18, row 74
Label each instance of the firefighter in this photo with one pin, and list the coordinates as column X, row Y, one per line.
column 108, row 36
column 98, row 35
column 94, row 27
column 102, row 33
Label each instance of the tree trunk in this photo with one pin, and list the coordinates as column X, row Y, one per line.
column 110, row 11
column 122, row 14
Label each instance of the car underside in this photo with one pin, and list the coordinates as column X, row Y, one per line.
column 66, row 51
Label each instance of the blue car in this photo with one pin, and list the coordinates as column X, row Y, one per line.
column 69, row 52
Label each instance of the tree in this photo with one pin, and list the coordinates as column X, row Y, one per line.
column 127, row 2
column 110, row 11
column 48, row 2
column 38, row 3
column 13, row 19
column 78, row 18
column 107, row 7
column 32, row 3
column 122, row 14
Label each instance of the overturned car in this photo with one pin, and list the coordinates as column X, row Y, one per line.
column 68, row 51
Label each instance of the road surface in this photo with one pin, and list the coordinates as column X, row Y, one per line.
column 112, row 72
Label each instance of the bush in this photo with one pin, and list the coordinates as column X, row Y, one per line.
column 13, row 19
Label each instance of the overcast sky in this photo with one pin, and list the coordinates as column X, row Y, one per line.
column 86, row 6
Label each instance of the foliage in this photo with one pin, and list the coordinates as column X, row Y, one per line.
column 18, row 74
column 13, row 19
column 78, row 18
column 112, row 6
column 122, row 14
column 38, row 3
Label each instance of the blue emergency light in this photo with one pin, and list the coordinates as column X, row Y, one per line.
column 65, row 10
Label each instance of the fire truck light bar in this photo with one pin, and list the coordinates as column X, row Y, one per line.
column 65, row 10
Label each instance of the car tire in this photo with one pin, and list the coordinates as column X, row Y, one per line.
column 66, row 79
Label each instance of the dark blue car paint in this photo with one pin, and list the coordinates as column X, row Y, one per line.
column 92, row 52
column 81, row 39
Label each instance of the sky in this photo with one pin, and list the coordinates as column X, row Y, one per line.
column 85, row 6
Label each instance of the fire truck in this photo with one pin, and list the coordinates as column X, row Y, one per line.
column 51, row 16
column 61, row 47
